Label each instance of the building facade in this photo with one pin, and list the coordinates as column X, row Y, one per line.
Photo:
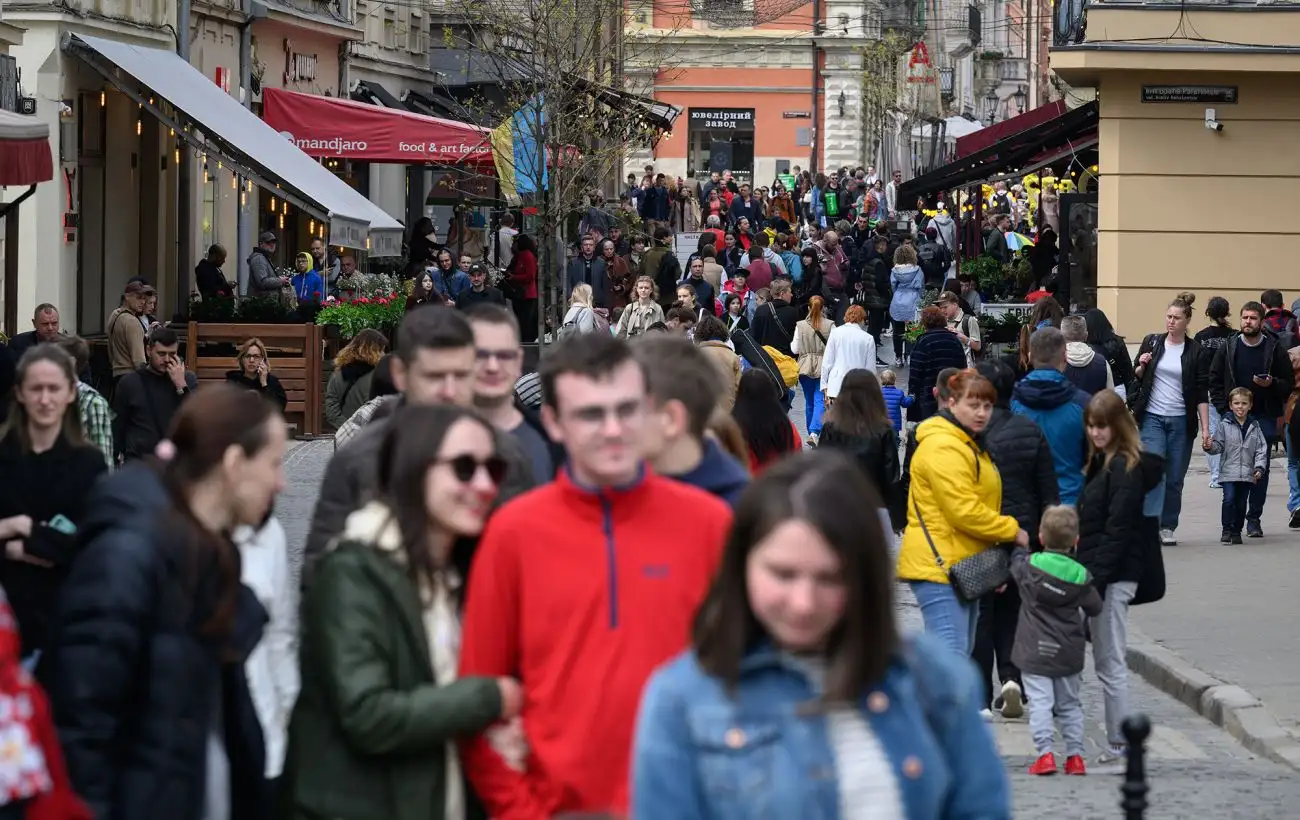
column 760, row 96
column 1195, row 151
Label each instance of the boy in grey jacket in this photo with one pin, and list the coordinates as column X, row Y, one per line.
column 1050, row 642
column 1243, row 452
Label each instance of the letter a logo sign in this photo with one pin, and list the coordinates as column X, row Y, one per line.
column 918, row 65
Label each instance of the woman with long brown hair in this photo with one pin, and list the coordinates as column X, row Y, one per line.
column 643, row 311
column 354, row 368
column 145, row 665
column 1117, row 542
column 381, row 634
column 796, row 657
column 47, row 470
column 809, row 346
column 858, row 423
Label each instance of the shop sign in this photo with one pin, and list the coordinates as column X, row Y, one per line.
column 1217, row 94
column 919, row 67
column 685, row 244
column 724, row 119
column 796, row 115
column 997, row 310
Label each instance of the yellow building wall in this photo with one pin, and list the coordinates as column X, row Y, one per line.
column 1186, row 208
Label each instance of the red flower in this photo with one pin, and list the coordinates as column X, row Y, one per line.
column 363, row 301
column 383, row 301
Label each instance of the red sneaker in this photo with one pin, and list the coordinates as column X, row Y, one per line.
column 1074, row 765
column 1044, row 765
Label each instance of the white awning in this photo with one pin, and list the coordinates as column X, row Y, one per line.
column 954, row 127
column 245, row 141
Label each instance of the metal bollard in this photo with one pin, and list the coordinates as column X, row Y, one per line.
column 1136, row 729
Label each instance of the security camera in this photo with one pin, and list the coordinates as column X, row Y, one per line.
column 1211, row 120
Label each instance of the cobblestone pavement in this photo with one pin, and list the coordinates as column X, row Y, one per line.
column 1197, row 771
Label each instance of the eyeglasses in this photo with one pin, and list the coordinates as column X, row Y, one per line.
column 466, row 467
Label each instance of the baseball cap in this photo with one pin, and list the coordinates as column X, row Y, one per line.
column 266, row 236
column 140, row 288
column 477, row 268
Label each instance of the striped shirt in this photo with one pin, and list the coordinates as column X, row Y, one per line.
column 868, row 787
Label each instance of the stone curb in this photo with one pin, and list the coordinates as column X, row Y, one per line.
column 1237, row 711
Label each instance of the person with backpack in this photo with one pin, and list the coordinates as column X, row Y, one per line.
column 661, row 265
column 582, row 316
column 966, row 326
column 835, row 269
column 935, row 259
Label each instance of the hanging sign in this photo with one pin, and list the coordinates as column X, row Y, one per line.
column 1219, row 94
column 919, row 67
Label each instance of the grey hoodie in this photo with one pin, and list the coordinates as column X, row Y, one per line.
column 947, row 229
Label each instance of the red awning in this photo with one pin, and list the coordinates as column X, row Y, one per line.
column 998, row 131
column 25, row 157
column 333, row 127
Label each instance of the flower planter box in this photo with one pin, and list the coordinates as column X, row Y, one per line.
column 295, row 353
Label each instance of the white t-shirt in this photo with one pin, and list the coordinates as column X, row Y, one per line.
column 505, row 236
column 1167, row 384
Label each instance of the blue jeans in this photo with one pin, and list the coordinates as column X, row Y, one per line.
column 1259, row 490
column 946, row 616
column 1213, row 461
column 1167, row 437
column 1236, row 495
column 1292, row 474
column 812, row 403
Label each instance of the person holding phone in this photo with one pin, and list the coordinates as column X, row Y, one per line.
column 254, row 373
column 46, row 471
column 148, row 397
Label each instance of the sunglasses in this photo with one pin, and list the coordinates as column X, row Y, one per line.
column 466, row 467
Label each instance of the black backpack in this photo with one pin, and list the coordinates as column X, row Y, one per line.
column 932, row 260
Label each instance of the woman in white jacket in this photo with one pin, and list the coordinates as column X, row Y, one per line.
column 272, row 668
column 849, row 347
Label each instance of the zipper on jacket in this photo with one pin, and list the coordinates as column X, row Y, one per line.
column 611, row 556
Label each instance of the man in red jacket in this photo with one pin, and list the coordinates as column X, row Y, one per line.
column 581, row 588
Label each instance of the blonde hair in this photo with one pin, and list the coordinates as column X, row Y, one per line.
column 249, row 344
column 367, row 346
column 1243, row 392
column 654, row 288
column 815, row 310
column 1058, row 529
column 888, row 378
column 581, row 295
column 905, row 255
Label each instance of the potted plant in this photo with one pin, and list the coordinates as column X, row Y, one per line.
column 351, row 316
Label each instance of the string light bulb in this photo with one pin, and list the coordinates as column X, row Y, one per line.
column 243, row 199
column 139, row 128
column 311, row 226
column 272, row 204
column 178, row 157
column 234, row 184
column 103, row 99
column 281, row 221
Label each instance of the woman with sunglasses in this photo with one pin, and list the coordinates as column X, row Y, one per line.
column 374, row 729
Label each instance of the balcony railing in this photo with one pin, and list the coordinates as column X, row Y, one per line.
column 1070, row 22
column 1014, row 70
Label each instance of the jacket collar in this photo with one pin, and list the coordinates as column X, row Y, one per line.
column 765, row 656
column 573, row 487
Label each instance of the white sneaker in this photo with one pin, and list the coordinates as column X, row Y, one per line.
column 1012, row 703
column 987, row 714
column 1167, row 538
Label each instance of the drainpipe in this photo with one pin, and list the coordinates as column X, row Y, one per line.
column 816, row 86
column 243, row 221
column 184, row 181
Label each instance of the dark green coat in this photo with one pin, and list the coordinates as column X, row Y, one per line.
column 368, row 736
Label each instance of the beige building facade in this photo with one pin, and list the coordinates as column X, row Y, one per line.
column 1196, row 152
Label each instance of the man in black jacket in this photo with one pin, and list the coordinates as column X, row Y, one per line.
column 147, row 398
column 1258, row 362
column 1024, row 459
column 774, row 322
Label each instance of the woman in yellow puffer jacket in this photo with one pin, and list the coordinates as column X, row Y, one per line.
column 957, row 491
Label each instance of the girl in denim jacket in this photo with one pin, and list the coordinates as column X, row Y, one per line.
column 798, row 698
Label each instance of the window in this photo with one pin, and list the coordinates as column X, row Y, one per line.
column 415, row 33
column 390, row 28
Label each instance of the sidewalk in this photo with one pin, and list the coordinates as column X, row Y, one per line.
column 1231, row 613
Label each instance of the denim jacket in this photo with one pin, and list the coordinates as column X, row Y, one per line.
column 701, row 753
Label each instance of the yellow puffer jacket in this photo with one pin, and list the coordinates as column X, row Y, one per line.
column 959, row 492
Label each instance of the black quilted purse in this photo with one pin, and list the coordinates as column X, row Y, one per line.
column 974, row 577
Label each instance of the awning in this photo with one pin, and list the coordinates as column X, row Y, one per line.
column 331, row 127
column 954, row 128
column 1049, row 159
column 1001, row 130
column 1063, row 135
column 24, row 150
column 217, row 124
column 376, row 94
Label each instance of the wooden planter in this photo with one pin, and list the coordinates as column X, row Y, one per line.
column 294, row 352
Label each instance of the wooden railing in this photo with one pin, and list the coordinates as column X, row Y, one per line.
column 294, row 353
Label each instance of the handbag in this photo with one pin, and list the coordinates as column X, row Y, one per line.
column 974, row 577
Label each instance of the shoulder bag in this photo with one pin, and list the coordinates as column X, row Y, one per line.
column 974, row 577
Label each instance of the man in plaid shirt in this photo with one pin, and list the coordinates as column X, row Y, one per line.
column 96, row 415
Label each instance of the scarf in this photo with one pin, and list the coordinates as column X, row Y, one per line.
column 31, row 764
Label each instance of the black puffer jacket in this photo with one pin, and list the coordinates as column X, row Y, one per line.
column 133, row 687
column 1024, row 460
column 876, row 454
column 1112, row 529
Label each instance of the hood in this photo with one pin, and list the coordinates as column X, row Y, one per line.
column 1059, row 577
column 355, row 370
column 904, row 271
column 717, row 473
column 1079, row 354
column 942, row 219
column 128, row 498
column 373, row 524
column 1044, row 390
column 1153, row 470
column 940, row 426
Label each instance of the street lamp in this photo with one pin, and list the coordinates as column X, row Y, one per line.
column 991, row 106
column 1022, row 97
